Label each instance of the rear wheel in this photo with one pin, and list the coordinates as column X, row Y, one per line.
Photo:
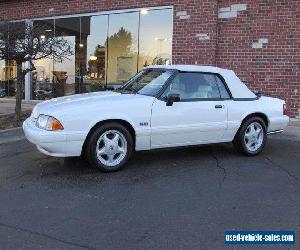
column 109, row 148
column 251, row 137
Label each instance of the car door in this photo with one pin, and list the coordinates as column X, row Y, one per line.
column 199, row 117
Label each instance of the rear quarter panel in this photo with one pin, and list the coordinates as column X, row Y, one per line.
column 272, row 108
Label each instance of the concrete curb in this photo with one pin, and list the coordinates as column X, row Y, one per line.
column 11, row 135
column 294, row 122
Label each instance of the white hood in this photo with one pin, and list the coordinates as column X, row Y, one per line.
column 81, row 103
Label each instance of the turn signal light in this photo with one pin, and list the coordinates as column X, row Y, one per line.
column 55, row 125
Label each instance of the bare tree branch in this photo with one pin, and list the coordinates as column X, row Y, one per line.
column 26, row 44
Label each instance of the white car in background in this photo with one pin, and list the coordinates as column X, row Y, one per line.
column 162, row 106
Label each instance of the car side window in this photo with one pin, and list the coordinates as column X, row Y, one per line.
column 223, row 91
column 194, row 86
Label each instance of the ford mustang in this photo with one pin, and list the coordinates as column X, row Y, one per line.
column 161, row 106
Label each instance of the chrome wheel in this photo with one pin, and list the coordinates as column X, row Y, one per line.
column 254, row 136
column 111, row 148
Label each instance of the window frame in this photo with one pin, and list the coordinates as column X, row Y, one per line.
column 177, row 72
column 144, row 71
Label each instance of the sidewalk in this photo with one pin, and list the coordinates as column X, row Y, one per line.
column 7, row 106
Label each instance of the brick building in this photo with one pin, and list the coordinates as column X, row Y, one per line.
column 259, row 40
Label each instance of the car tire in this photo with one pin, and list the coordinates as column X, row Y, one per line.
column 251, row 137
column 109, row 147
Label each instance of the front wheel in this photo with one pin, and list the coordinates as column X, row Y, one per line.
column 251, row 137
column 109, row 147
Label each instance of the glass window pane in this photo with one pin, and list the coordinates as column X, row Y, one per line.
column 2, row 79
column 3, row 76
column 65, row 75
column 93, row 55
column 194, row 86
column 42, row 77
column 156, row 30
column 16, row 31
column 8, row 75
column 148, row 82
column 122, row 47
column 223, row 91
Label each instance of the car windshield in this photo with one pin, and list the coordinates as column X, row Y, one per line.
column 147, row 82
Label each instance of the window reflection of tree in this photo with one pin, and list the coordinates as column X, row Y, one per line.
column 122, row 56
column 120, row 43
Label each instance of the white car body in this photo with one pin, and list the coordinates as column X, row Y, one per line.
column 155, row 125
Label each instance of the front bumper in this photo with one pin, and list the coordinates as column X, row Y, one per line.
column 53, row 143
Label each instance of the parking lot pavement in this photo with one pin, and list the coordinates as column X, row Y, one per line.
column 169, row 199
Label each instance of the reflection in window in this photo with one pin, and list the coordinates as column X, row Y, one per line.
column 42, row 77
column 94, row 53
column 155, row 37
column 108, row 50
column 3, row 76
column 8, row 73
column 8, row 69
column 66, row 75
column 2, row 79
column 122, row 47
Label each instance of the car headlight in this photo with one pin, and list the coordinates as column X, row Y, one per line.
column 48, row 123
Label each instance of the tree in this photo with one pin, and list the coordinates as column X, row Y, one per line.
column 25, row 43
column 120, row 43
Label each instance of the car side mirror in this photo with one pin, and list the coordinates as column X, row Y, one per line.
column 172, row 98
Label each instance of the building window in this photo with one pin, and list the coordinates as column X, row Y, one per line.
column 8, row 69
column 122, row 45
column 66, row 75
column 93, row 60
column 155, row 44
column 8, row 73
column 108, row 50
column 42, row 78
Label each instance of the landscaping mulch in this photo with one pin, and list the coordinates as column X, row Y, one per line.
column 8, row 120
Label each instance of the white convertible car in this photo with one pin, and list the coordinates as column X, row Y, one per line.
column 162, row 106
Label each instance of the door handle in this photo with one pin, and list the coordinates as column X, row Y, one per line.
column 218, row 106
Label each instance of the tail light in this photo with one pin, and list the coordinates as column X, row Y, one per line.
column 285, row 112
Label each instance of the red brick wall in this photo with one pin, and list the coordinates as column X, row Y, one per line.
column 273, row 69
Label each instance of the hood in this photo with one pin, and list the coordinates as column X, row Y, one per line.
column 87, row 100
column 79, row 98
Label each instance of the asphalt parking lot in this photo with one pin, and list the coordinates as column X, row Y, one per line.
column 181, row 198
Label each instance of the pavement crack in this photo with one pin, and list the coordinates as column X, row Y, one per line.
column 219, row 166
column 292, row 176
column 46, row 236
